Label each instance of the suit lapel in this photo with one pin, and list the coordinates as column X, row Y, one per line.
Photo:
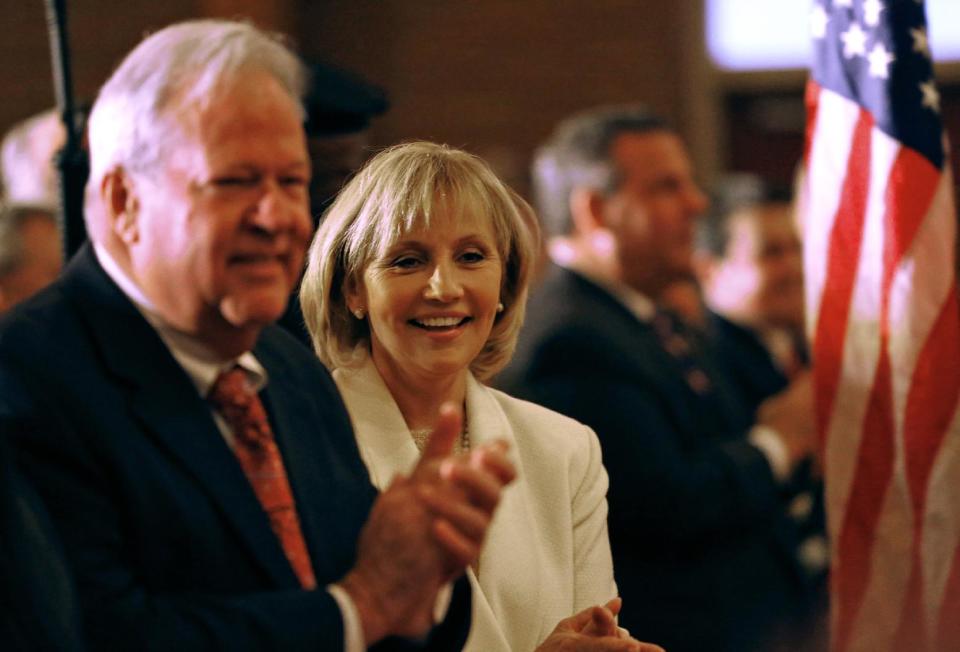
column 300, row 437
column 164, row 401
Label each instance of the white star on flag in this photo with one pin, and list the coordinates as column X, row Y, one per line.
column 920, row 42
column 871, row 12
column 931, row 97
column 818, row 22
column 854, row 41
column 880, row 61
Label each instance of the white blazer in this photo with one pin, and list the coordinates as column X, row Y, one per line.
column 547, row 554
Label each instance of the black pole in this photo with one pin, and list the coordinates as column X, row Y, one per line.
column 71, row 160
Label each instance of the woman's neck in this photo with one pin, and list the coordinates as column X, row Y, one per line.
column 419, row 397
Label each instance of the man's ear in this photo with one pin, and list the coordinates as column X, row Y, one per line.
column 587, row 210
column 122, row 202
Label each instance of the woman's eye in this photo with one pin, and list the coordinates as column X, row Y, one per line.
column 406, row 262
column 472, row 256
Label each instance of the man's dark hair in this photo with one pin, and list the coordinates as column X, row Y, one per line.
column 578, row 155
column 731, row 196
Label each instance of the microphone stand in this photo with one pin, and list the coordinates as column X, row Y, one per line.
column 72, row 161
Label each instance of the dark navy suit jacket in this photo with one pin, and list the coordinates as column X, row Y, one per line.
column 699, row 539
column 169, row 544
column 38, row 604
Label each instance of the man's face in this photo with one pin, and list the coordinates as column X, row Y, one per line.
column 760, row 280
column 651, row 215
column 222, row 224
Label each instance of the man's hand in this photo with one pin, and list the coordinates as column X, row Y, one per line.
column 594, row 630
column 791, row 414
column 422, row 532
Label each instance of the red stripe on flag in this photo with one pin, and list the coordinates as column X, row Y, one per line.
column 812, row 100
column 948, row 627
column 931, row 404
column 874, row 470
column 932, row 401
column 843, row 256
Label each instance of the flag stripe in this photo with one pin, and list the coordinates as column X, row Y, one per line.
column 842, row 257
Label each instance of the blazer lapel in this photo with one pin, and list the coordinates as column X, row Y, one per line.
column 382, row 435
column 508, row 565
column 166, row 403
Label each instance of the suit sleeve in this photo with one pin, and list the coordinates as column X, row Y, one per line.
column 662, row 493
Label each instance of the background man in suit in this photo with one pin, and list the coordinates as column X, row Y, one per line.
column 749, row 262
column 701, row 546
column 197, row 461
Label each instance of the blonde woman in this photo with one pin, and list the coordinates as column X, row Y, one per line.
column 414, row 294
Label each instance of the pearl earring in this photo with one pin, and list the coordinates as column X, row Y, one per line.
column 358, row 313
column 500, row 307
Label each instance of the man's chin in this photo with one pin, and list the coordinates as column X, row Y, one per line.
column 253, row 312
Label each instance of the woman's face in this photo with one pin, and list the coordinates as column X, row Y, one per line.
column 431, row 299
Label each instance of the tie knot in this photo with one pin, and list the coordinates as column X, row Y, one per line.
column 239, row 405
column 230, row 389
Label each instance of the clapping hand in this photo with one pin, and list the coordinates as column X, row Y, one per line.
column 423, row 530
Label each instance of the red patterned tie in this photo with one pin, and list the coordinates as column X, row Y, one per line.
column 261, row 462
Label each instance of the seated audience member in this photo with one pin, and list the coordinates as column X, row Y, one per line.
column 702, row 545
column 38, row 604
column 30, row 252
column 29, row 173
column 414, row 293
column 197, row 462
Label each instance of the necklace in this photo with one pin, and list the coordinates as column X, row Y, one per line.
column 462, row 445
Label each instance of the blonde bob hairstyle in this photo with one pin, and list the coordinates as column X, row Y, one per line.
column 402, row 189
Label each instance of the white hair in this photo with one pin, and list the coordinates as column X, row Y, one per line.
column 181, row 64
column 27, row 156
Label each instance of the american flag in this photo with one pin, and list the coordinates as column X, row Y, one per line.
column 879, row 236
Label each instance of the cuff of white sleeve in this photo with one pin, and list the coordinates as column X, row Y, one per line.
column 352, row 627
column 771, row 445
column 442, row 604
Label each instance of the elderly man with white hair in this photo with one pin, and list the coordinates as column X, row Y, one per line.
column 197, row 462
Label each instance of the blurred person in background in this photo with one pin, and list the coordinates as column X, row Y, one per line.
column 414, row 294
column 31, row 254
column 749, row 261
column 28, row 171
column 702, row 545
